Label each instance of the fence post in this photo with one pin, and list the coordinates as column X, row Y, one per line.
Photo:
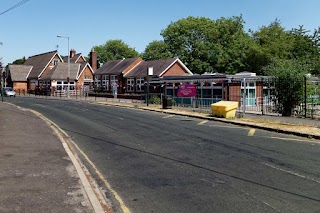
column 305, row 96
column 262, row 95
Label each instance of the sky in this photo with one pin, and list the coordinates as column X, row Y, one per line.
column 32, row 28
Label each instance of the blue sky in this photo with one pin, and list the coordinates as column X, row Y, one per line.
column 32, row 28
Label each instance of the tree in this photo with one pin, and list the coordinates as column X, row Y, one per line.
column 306, row 48
column 271, row 43
column 113, row 50
column 19, row 61
column 156, row 50
column 288, row 84
column 205, row 45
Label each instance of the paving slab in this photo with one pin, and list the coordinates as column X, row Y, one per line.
column 36, row 174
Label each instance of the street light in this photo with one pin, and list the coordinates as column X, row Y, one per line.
column 1, row 80
column 150, row 73
column 68, row 79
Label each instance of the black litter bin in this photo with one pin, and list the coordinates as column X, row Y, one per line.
column 167, row 103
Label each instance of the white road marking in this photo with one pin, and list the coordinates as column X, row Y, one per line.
column 168, row 116
column 263, row 202
column 231, row 127
column 293, row 139
column 291, row 172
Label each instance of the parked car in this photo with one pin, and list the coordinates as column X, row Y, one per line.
column 8, row 91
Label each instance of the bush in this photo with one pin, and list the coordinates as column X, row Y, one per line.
column 155, row 100
column 288, row 84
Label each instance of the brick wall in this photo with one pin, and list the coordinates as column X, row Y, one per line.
column 259, row 94
column 175, row 70
column 20, row 86
column 51, row 64
column 87, row 72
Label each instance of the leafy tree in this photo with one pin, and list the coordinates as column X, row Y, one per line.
column 19, row 61
column 271, row 43
column 113, row 50
column 156, row 50
column 205, row 45
column 288, row 84
column 306, row 48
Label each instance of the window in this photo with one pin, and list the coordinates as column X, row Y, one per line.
column 55, row 62
column 97, row 81
column 105, row 82
column 140, row 82
column 130, row 84
column 87, row 77
column 250, row 92
column 63, row 85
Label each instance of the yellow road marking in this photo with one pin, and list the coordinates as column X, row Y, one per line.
column 202, row 122
column 168, row 116
column 251, row 132
column 106, row 183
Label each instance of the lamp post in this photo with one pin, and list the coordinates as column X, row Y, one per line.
column 150, row 73
column 68, row 79
column 1, row 80
column 2, row 86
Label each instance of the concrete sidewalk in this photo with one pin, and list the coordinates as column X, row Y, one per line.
column 36, row 173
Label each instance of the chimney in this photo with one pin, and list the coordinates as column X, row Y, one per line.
column 72, row 53
column 93, row 60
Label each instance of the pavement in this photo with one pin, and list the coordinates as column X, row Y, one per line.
column 39, row 172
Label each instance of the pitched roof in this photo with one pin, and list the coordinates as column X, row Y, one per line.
column 60, row 72
column 105, row 69
column 74, row 59
column 19, row 72
column 122, row 66
column 39, row 63
column 83, row 65
column 159, row 67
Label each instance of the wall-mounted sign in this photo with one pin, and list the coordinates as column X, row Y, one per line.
column 187, row 90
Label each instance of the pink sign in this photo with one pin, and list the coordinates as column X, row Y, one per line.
column 187, row 90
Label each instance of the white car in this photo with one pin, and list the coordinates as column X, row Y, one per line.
column 8, row 91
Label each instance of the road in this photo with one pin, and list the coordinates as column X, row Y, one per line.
column 153, row 162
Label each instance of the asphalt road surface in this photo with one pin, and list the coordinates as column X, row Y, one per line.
column 153, row 162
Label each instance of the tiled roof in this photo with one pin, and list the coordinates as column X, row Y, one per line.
column 73, row 59
column 39, row 63
column 105, row 69
column 19, row 72
column 60, row 72
column 159, row 66
column 123, row 65
column 82, row 66
column 116, row 67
